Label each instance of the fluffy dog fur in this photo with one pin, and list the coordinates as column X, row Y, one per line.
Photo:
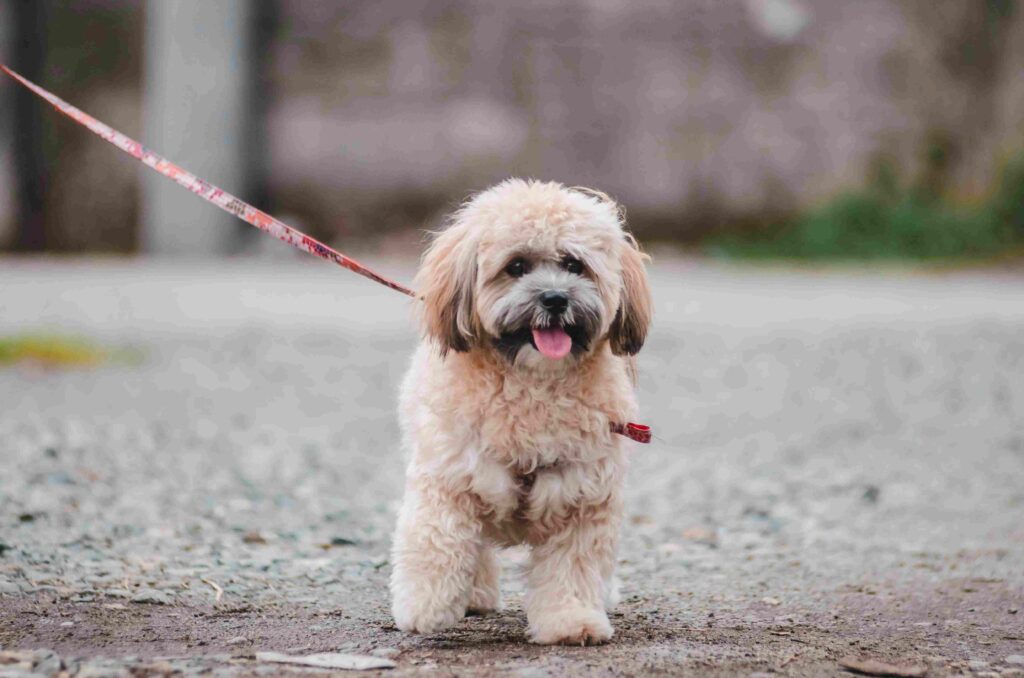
column 509, row 446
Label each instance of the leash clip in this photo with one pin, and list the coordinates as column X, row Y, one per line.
column 641, row 433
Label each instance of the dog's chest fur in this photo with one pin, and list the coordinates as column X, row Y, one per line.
column 531, row 448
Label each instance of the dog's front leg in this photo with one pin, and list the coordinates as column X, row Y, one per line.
column 434, row 557
column 569, row 577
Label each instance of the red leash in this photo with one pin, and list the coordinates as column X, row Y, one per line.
column 244, row 210
column 207, row 191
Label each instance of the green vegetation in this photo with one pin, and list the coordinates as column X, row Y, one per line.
column 887, row 221
column 50, row 351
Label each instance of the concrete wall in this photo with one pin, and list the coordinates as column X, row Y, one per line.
column 697, row 114
column 693, row 113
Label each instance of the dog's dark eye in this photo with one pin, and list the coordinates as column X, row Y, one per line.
column 573, row 265
column 516, row 268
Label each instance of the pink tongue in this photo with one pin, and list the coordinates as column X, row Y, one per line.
column 553, row 342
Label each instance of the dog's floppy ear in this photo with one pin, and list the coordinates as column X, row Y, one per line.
column 629, row 328
column 446, row 279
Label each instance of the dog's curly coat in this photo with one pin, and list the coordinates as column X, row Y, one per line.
column 535, row 297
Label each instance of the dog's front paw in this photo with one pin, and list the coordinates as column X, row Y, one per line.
column 418, row 614
column 570, row 626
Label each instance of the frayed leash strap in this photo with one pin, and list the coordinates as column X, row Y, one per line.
column 243, row 210
column 637, row 432
column 207, row 191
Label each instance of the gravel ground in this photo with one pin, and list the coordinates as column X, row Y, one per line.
column 838, row 474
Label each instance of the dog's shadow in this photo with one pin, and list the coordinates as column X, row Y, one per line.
column 508, row 630
column 495, row 630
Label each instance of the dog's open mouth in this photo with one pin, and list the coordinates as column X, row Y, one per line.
column 552, row 342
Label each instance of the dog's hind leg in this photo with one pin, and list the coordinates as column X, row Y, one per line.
column 435, row 559
column 486, row 595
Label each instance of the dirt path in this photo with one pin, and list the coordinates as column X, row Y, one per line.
column 968, row 626
column 839, row 473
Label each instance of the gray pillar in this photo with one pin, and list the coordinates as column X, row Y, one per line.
column 197, row 78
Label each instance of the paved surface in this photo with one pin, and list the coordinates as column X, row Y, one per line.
column 839, row 473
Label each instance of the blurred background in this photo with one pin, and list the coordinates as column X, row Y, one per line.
column 751, row 128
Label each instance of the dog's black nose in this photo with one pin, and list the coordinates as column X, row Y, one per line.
column 554, row 301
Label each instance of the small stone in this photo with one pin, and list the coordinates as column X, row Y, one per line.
column 328, row 660
column 1015, row 659
column 151, row 597
column 46, row 662
column 98, row 669
column 386, row 652
column 16, row 660
column 977, row 665
column 876, row 667
column 238, row 640
column 60, row 478
column 157, row 668
column 254, row 537
column 771, row 601
column 701, row 535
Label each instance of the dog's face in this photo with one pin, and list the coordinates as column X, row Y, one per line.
column 538, row 272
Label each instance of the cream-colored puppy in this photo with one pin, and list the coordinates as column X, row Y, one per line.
column 534, row 299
